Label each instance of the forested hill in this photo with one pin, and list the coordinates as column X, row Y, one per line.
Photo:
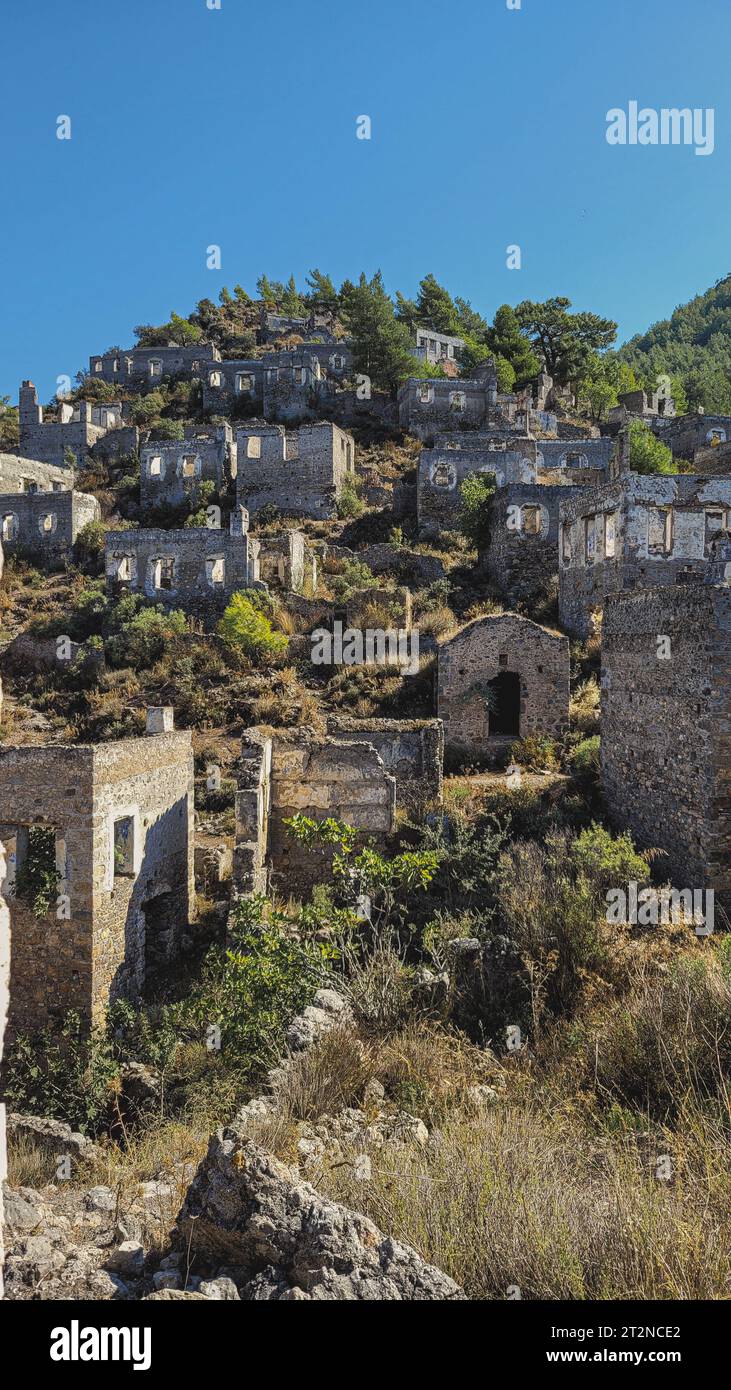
column 695, row 344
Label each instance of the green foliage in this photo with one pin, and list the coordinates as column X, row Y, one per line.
column 507, row 341
column 38, row 878
column 476, row 493
column 349, row 504
column 247, row 628
column 607, row 860
column 177, row 330
column 564, row 341
column 89, row 545
column 354, row 576
column 321, row 290
column 380, row 342
column 63, row 1072
column 536, row 751
column 584, row 759
column 254, row 988
column 693, row 347
column 139, row 634
column 434, row 308
column 647, row 452
column 9, row 425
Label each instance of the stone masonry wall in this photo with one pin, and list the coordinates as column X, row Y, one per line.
column 479, row 653
column 411, row 749
column 519, row 558
column 665, row 740
column 45, row 524
column 443, row 468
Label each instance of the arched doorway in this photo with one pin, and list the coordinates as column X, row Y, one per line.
column 504, row 704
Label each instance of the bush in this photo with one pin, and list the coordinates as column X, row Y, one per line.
column 584, row 758
column 536, row 751
column 141, row 634
column 245, row 627
column 476, row 493
column 349, row 504
column 647, row 453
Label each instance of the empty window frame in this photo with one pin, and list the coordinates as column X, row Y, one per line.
column 531, row 520
column 123, row 847
column 164, row 572
column 610, row 535
column 155, row 466
column 659, row 530
column 253, row 447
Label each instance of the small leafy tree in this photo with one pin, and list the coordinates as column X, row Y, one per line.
column 246, row 627
column 647, row 453
column 476, row 493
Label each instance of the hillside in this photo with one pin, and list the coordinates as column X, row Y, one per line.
column 695, row 344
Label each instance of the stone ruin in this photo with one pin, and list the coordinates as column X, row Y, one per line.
column 300, row 771
column 300, row 473
column 45, row 524
column 665, row 719
column 173, row 472
column 116, row 820
column 501, row 678
column 636, row 531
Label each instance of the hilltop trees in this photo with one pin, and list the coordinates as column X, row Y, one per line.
column 380, row 341
column 505, row 340
column 564, row 340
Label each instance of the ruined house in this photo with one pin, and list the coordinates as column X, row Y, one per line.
column 521, row 553
column 173, row 471
column 665, row 720
column 411, row 749
column 434, row 347
column 701, row 439
column 509, row 458
column 430, row 407
column 301, row 474
column 636, row 531
column 141, row 366
column 501, row 678
column 298, row 771
column 195, row 568
column 643, row 405
column 294, row 385
column 116, row 820
column 234, row 386
column 81, row 429
column 45, row 525
column 29, row 475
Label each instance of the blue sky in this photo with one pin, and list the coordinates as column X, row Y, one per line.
column 193, row 126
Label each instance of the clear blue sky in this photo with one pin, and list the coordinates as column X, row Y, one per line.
column 237, row 127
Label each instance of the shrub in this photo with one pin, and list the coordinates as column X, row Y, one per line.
column 247, row 629
column 647, row 453
column 536, row 751
column 584, row 758
column 349, row 504
column 476, row 493
column 141, row 634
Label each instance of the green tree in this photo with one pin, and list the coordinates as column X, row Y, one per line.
column 433, row 308
column 247, row 628
column 380, row 343
column 647, row 453
column 476, row 492
column 322, row 290
column 562, row 340
column 507, row 341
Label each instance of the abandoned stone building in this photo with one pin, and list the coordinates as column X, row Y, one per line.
column 636, row 531
column 301, row 473
column 665, row 719
column 434, row 347
column 501, row 678
column 195, row 568
column 427, row 408
column 294, row 385
column 696, row 437
column 643, row 405
column 286, row 562
column 139, row 366
column 298, row 771
column 28, row 475
column 521, row 554
column 441, row 470
column 80, row 429
column 234, row 386
column 583, row 459
column 173, row 471
column 45, row 524
column 411, row 749
column 117, row 818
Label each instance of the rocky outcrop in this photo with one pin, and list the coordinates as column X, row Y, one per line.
column 245, row 1209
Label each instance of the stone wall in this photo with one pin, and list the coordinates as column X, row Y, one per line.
column 196, row 568
column 443, row 468
column 575, row 455
column 29, row 475
column 4, row 997
column 139, row 366
column 75, row 430
column 301, row 475
column 635, row 531
column 303, row 772
column 411, row 749
column 94, row 942
column 522, row 551
column 665, row 742
column 487, row 650
column 45, row 525
column 171, row 472
column 236, row 385
column 426, row 408
column 690, row 434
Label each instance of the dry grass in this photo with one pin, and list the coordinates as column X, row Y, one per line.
column 521, row 1197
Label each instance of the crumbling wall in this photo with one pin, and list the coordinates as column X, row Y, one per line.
column 481, row 652
column 411, row 749
column 637, row 531
column 311, row 774
column 300, row 474
column 172, row 472
column 195, row 568
column 29, row 475
column 521, row 555
column 89, row 946
column 665, row 716
column 45, row 524
column 442, row 469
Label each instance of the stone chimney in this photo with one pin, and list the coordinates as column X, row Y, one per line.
column 160, row 719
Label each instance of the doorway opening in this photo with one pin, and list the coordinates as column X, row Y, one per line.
column 504, row 703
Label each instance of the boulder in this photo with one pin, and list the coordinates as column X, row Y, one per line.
column 245, row 1208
